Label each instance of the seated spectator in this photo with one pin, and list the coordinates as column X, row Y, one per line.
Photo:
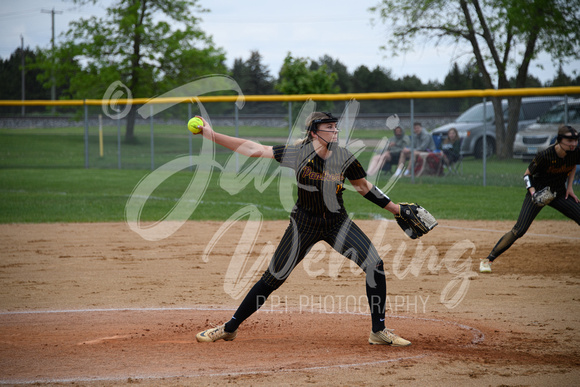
column 433, row 163
column 451, row 147
column 392, row 151
column 423, row 145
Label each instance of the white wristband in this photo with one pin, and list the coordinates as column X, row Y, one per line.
column 528, row 181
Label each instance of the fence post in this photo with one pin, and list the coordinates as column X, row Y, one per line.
column 152, row 142
column 346, row 135
column 189, row 115
column 289, row 118
column 484, row 157
column 119, row 143
column 412, row 161
column 86, row 133
column 565, row 109
column 237, row 135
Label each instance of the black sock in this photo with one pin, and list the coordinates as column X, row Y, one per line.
column 376, row 286
column 255, row 298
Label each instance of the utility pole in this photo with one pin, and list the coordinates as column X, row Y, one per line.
column 52, row 78
column 22, row 62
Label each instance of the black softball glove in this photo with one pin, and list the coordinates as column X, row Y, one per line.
column 415, row 220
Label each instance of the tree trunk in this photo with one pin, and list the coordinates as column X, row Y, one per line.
column 507, row 149
column 499, row 124
column 130, row 129
column 130, row 137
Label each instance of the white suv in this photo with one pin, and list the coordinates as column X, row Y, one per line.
column 542, row 134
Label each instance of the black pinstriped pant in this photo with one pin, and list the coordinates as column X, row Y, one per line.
column 528, row 213
column 303, row 232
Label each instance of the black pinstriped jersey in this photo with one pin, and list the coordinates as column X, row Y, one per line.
column 320, row 182
column 549, row 170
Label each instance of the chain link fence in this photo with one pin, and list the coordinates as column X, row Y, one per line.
column 86, row 135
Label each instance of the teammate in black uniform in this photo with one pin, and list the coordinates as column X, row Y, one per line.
column 553, row 167
column 321, row 167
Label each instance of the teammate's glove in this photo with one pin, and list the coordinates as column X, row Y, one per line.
column 543, row 197
column 415, row 220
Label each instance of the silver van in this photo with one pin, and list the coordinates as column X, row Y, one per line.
column 470, row 124
column 542, row 134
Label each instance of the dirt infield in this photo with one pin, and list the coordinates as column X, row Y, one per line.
column 96, row 304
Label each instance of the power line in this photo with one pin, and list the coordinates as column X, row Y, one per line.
column 18, row 13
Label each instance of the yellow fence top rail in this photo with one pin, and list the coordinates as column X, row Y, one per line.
column 526, row 92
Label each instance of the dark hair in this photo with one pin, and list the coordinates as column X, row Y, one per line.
column 447, row 140
column 417, row 124
column 566, row 131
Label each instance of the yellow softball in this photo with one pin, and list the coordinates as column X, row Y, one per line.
column 193, row 124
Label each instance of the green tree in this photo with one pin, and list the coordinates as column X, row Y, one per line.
column 150, row 46
column 561, row 79
column 253, row 76
column 361, row 80
column 67, row 67
column 343, row 78
column 11, row 80
column 414, row 83
column 531, row 81
column 465, row 78
column 411, row 83
column 495, row 30
column 296, row 77
column 456, row 79
column 378, row 80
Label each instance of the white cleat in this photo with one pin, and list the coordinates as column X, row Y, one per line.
column 485, row 266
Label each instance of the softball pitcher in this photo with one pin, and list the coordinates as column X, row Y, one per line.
column 545, row 180
column 321, row 167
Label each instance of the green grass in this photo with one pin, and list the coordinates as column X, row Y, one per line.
column 65, row 147
column 94, row 195
column 43, row 179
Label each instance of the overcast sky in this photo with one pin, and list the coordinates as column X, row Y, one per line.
column 341, row 29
